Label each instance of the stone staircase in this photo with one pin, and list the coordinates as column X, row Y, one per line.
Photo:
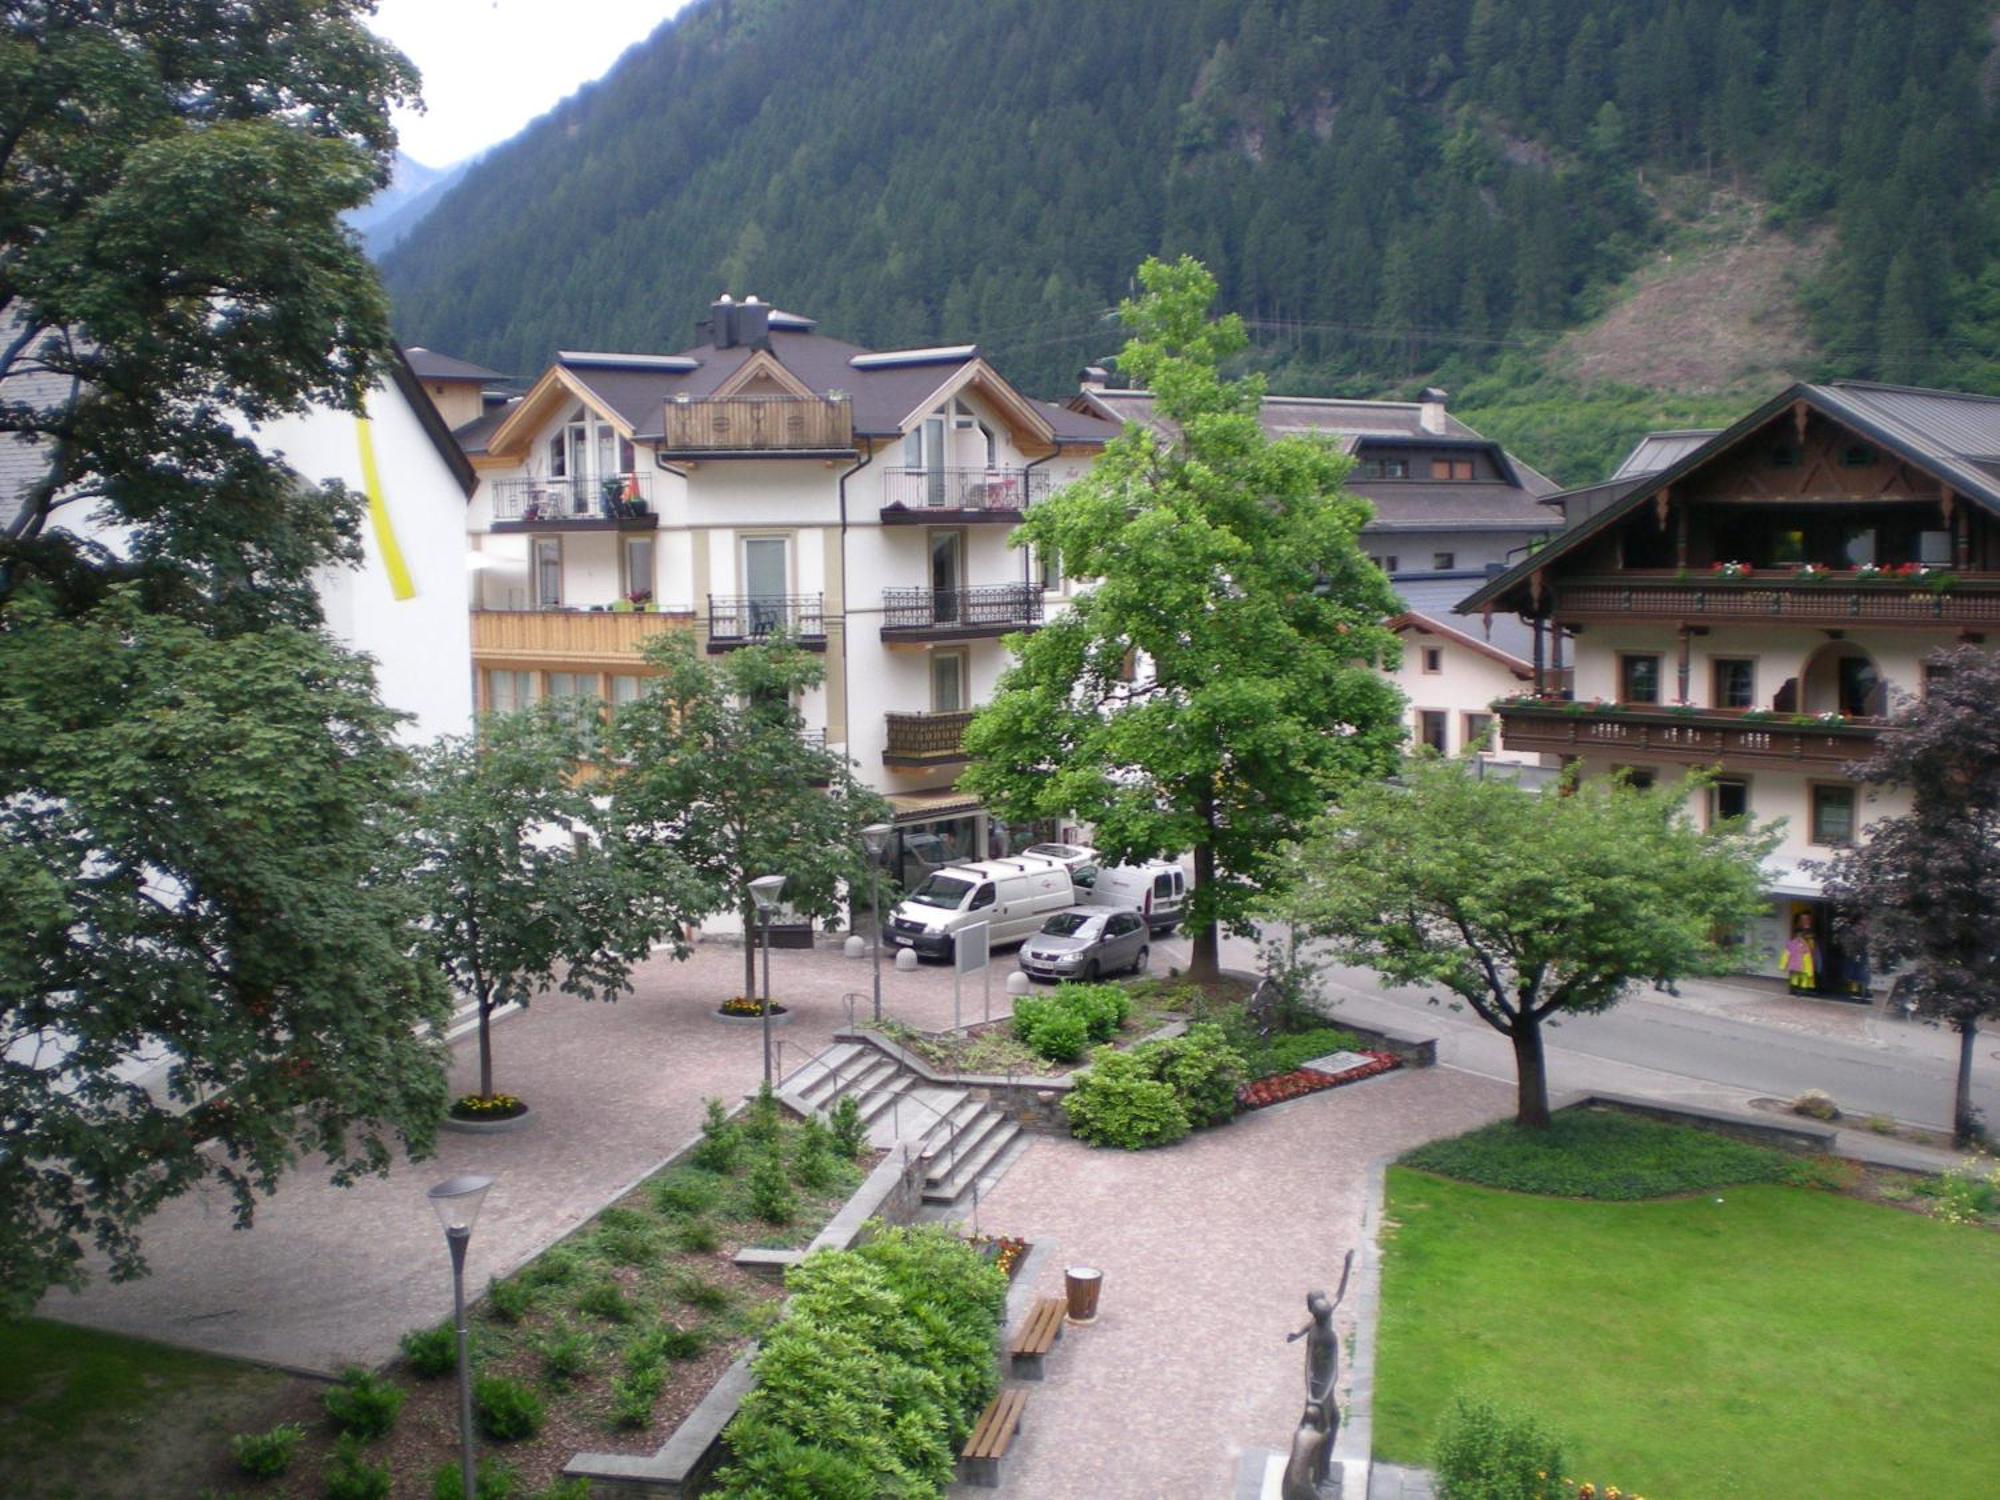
column 961, row 1141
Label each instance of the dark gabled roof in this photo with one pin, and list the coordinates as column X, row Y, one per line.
column 1450, row 505
column 411, row 387
column 430, row 365
column 1952, row 435
column 471, row 437
column 1072, row 426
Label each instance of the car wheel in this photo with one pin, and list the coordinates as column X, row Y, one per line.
column 1141, row 959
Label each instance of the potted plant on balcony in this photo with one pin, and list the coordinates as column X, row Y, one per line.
column 1731, row 569
column 1812, row 572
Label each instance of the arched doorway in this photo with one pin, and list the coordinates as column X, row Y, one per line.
column 1840, row 677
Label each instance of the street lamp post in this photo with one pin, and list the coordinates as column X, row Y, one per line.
column 764, row 890
column 876, row 837
column 456, row 1202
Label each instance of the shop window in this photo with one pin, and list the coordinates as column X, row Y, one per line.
column 1638, row 679
column 1832, row 815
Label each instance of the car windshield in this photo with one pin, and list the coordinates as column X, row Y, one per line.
column 941, row 890
column 1068, row 924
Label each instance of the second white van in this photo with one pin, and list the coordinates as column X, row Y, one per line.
column 1013, row 896
column 1156, row 889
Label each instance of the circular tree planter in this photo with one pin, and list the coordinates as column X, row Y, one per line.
column 781, row 1015
column 488, row 1123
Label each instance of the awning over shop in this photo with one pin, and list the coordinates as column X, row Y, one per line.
column 928, row 807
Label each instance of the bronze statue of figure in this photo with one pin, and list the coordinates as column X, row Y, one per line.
column 1312, row 1453
column 1312, row 1444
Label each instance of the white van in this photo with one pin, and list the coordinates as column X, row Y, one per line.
column 1157, row 889
column 1013, row 896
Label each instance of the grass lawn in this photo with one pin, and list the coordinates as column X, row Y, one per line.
column 1756, row 1340
column 85, row 1414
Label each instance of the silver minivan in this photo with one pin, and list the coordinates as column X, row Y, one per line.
column 1013, row 896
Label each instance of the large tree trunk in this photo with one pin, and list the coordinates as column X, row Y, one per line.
column 1531, row 1108
column 750, row 936
column 1205, row 963
column 1964, row 1119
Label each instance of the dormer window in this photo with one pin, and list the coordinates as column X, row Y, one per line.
column 1386, row 468
column 1451, row 468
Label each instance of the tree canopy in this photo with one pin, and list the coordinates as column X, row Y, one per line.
column 1924, row 886
column 714, row 780
column 1523, row 905
column 1219, row 677
column 208, row 970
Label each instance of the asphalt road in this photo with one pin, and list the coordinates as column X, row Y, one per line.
column 1718, row 1046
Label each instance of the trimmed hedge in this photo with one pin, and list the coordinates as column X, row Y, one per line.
column 1156, row 1093
column 1605, row 1155
column 872, row 1380
column 1059, row 1026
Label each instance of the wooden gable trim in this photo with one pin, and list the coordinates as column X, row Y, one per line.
column 556, row 387
column 994, row 386
column 766, row 365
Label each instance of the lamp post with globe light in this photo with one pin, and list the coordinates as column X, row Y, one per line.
column 456, row 1202
column 765, row 890
column 876, row 836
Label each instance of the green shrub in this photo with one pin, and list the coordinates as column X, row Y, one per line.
column 363, row 1403
column 507, row 1410
column 658, row 1345
column 1606, row 1155
column 556, row 1266
column 492, row 1480
column 1103, row 1007
column 696, row 1237
column 628, row 1244
column 1485, row 1454
column 605, row 1299
column 762, row 1122
column 721, row 1147
column 510, row 1300
column 349, row 1476
column 1962, row 1195
column 699, row 1292
column 771, row 1195
column 1201, row 1068
column 431, row 1352
column 683, row 1194
column 565, row 1489
column 633, row 1397
column 1281, row 1054
column 874, row 1375
column 813, row 1161
column 1056, row 1032
column 266, row 1455
column 850, row 1131
column 565, row 1350
column 1115, row 1103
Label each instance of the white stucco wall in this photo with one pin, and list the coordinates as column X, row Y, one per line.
column 1467, row 681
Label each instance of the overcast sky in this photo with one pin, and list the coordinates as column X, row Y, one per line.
column 491, row 66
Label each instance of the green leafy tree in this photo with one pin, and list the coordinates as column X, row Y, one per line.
column 171, row 258
column 715, row 775
column 1924, row 888
column 520, row 891
column 193, row 894
column 1523, row 905
column 1224, row 568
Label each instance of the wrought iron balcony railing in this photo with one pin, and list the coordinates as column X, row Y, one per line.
column 557, row 502
column 993, row 609
column 742, row 621
column 1004, row 492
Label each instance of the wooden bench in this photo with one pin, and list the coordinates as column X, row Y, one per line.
column 980, row 1462
column 1038, row 1335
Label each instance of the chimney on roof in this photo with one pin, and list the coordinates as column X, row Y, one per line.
column 753, row 324
column 719, row 327
column 1430, row 414
column 1094, row 378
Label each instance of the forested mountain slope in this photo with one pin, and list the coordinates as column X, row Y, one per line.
column 1390, row 189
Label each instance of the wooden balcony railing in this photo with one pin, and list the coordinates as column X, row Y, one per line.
column 925, row 739
column 1704, row 737
column 960, row 614
column 916, row 496
column 555, row 637
column 747, row 621
column 1834, row 599
column 759, row 424
column 553, row 504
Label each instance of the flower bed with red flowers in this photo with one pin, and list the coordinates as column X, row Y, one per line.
column 1301, row 1081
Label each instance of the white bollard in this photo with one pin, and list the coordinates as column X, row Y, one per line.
column 906, row 960
column 1018, row 983
column 854, row 948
